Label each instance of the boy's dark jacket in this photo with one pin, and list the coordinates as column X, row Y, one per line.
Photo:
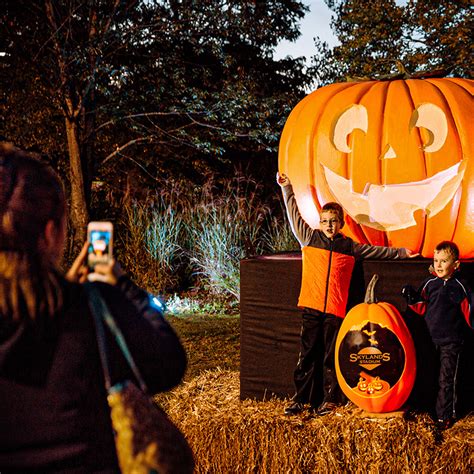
column 328, row 264
column 447, row 306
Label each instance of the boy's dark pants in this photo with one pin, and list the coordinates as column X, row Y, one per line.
column 448, row 369
column 317, row 351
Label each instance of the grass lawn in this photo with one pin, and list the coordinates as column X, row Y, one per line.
column 211, row 341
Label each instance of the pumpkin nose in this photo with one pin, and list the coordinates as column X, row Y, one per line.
column 360, row 182
column 388, row 152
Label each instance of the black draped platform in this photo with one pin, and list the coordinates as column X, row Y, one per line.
column 271, row 321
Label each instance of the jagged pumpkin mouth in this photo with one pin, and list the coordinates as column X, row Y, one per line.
column 392, row 206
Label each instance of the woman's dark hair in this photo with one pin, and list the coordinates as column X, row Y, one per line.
column 31, row 195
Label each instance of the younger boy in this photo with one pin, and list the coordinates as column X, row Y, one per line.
column 328, row 261
column 446, row 303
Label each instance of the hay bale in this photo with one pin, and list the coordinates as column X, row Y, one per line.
column 230, row 435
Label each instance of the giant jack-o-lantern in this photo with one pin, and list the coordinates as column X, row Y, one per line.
column 397, row 155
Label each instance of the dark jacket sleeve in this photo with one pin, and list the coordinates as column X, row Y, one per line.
column 139, row 297
column 374, row 251
column 154, row 345
column 301, row 230
column 467, row 303
column 415, row 298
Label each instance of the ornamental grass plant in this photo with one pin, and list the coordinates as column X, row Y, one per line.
column 152, row 243
column 223, row 227
column 192, row 238
column 277, row 234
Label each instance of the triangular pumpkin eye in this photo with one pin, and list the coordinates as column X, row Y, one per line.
column 433, row 119
column 354, row 117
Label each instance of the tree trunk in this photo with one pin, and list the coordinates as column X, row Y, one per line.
column 87, row 141
column 78, row 212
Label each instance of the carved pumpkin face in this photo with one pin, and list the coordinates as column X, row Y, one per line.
column 397, row 155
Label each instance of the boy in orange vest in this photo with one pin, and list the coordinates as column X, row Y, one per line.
column 328, row 261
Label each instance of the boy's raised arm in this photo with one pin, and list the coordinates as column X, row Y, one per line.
column 301, row 230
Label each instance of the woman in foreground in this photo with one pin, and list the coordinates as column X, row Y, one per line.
column 54, row 415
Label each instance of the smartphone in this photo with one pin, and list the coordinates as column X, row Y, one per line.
column 100, row 237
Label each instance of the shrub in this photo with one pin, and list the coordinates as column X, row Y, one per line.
column 196, row 236
column 277, row 235
column 224, row 227
column 152, row 243
column 192, row 304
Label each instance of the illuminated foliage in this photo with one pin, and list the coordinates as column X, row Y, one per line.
column 377, row 36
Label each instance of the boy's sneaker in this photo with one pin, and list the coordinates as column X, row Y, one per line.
column 326, row 407
column 444, row 424
column 294, row 408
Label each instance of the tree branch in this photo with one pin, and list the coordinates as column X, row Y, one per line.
column 94, row 33
column 145, row 114
column 52, row 22
column 215, row 127
column 61, row 61
column 139, row 165
column 118, row 150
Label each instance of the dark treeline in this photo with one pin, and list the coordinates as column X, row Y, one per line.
column 135, row 94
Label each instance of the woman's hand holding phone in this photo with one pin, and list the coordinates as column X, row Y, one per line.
column 108, row 272
column 95, row 261
column 99, row 260
column 78, row 271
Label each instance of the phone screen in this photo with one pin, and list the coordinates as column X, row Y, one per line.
column 99, row 247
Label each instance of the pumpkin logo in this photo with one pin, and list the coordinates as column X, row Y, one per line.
column 375, row 387
column 397, row 156
column 360, row 358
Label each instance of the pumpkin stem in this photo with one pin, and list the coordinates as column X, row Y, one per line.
column 401, row 68
column 370, row 292
column 402, row 73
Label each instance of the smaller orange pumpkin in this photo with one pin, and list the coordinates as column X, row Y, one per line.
column 375, row 356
